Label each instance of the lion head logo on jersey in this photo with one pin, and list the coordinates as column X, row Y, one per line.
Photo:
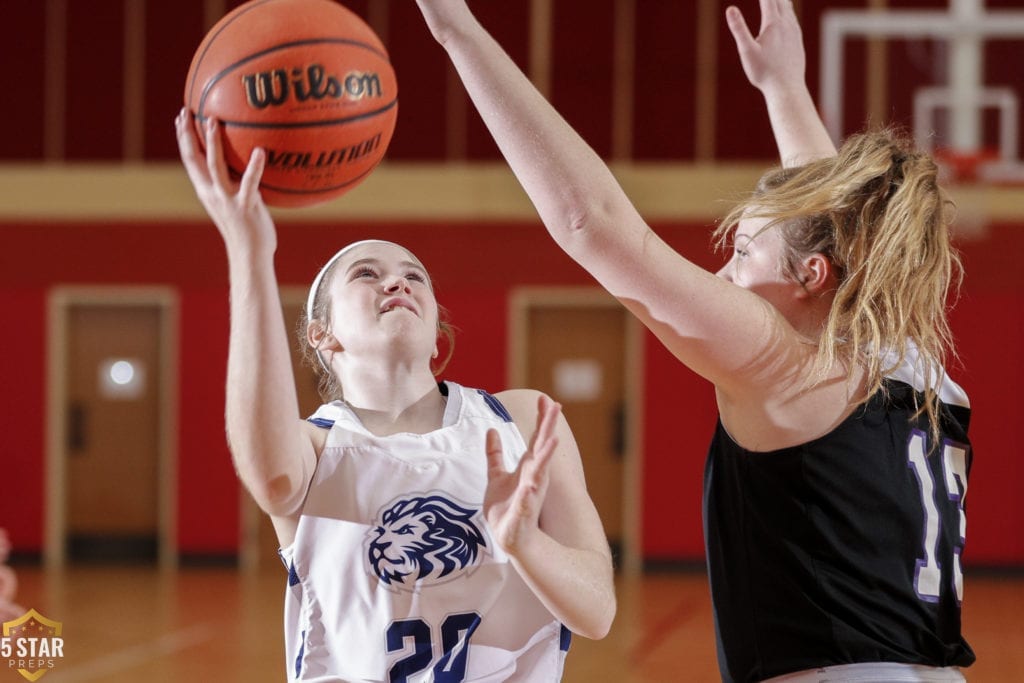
column 422, row 540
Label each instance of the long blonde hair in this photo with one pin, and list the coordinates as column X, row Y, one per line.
column 877, row 212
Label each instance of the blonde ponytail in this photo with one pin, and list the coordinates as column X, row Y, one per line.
column 876, row 211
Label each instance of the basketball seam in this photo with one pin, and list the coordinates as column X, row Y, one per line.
column 304, row 124
column 212, row 39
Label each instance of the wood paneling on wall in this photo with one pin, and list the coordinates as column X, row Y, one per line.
column 687, row 97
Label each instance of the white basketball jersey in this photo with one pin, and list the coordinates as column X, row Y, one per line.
column 393, row 575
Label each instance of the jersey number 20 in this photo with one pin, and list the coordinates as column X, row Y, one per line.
column 456, row 630
column 928, row 579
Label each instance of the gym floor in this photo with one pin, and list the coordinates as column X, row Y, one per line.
column 125, row 623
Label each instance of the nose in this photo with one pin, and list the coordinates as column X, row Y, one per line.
column 396, row 283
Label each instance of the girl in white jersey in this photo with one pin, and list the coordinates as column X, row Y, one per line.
column 431, row 532
column 835, row 482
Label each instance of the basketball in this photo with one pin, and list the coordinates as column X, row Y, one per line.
column 308, row 81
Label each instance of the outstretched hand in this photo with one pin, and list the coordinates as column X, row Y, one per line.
column 237, row 209
column 513, row 500
column 776, row 56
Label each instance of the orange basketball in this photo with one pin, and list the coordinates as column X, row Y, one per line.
column 308, row 81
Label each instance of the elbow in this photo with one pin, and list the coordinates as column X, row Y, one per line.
column 597, row 621
column 583, row 221
column 604, row 625
column 278, row 495
column 600, row 624
column 590, row 229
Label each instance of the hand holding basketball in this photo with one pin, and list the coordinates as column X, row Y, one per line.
column 236, row 208
column 309, row 82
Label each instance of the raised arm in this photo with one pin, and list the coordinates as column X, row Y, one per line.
column 714, row 327
column 775, row 64
column 272, row 448
column 542, row 516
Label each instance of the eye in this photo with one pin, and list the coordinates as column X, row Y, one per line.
column 415, row 276
column 364, row 272
column 742, row 253
column 405, row 530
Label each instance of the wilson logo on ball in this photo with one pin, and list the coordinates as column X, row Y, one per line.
column 274, row 88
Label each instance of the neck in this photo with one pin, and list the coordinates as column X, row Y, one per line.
column 811, row 320
column 397, row 399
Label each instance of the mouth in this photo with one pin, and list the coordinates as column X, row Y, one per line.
column 396, row 305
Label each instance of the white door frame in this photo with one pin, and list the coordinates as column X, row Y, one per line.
column 521, row 300
column 60, row 300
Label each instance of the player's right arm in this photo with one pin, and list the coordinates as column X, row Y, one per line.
column 273, row 450
column 775, row 64
column 719, row 330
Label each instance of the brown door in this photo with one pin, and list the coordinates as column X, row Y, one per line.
column 112, row 448
column 576, row 354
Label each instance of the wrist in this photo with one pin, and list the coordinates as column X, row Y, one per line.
column 785, row 90
column 446, row 25
column 246, row 258
column 529, row 544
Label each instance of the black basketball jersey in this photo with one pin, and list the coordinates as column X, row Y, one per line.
column 844, row 549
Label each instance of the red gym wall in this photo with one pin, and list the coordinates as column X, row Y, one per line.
column 475, row 268
column 476, row 264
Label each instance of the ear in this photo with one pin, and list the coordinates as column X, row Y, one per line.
column 816, row 275
column 320, row 338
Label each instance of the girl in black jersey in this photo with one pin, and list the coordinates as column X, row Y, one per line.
column 835, row 483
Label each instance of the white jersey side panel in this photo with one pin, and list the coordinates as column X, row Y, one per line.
column 393, row 575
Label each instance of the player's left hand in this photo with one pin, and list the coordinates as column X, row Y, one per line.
column 513, row 500
column 775, row 58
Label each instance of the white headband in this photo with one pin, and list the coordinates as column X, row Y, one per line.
column 311, row 299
